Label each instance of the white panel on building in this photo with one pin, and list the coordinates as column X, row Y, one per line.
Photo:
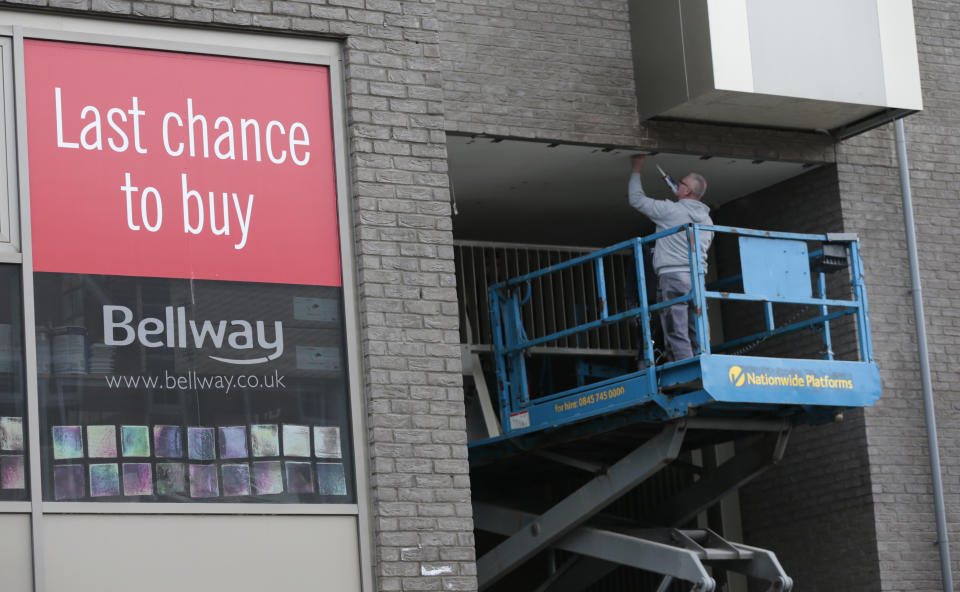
column 815, row 65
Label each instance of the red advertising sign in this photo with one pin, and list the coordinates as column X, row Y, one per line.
column 163, row 164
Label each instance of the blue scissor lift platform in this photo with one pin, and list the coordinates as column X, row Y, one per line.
column 619, row 426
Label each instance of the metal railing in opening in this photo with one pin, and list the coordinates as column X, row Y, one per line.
column 559, row 301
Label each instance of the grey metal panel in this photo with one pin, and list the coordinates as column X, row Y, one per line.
column 238, row 553
column 15, row 562
column 658, row 60
column 14, row 507
column 697, row 51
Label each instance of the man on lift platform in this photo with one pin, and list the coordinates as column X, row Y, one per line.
column 670, row 258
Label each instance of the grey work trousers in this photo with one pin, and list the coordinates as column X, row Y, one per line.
column 678, row 321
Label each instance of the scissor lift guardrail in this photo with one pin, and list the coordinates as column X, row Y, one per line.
column 776, row 271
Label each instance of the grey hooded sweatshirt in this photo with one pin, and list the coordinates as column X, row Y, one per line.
column 670, row 254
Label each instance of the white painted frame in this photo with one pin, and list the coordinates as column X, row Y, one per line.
column 9, row 204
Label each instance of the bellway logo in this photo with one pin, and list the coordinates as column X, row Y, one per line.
column 737, row 377
column 175, row 330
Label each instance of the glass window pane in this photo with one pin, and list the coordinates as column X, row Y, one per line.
column 156, row 389
column 14, row 473
column 187, row 278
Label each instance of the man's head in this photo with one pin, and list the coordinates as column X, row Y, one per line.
column 693, row 186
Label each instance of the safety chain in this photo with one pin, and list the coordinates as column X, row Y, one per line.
column 755, row 344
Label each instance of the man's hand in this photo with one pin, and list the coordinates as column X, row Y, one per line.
column 637, row 161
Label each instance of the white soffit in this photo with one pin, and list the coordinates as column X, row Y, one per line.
column 534, row 192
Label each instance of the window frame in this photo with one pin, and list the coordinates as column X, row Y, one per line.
column 22, row 25
column 9, row 202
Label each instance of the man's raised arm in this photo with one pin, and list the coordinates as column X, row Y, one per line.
column 655, row 209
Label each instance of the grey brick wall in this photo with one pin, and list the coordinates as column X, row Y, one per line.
column 539, row 69
column 409, row 324
column 814, row 509
column 871, row 202
column 899, row 462
column 421, row 512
